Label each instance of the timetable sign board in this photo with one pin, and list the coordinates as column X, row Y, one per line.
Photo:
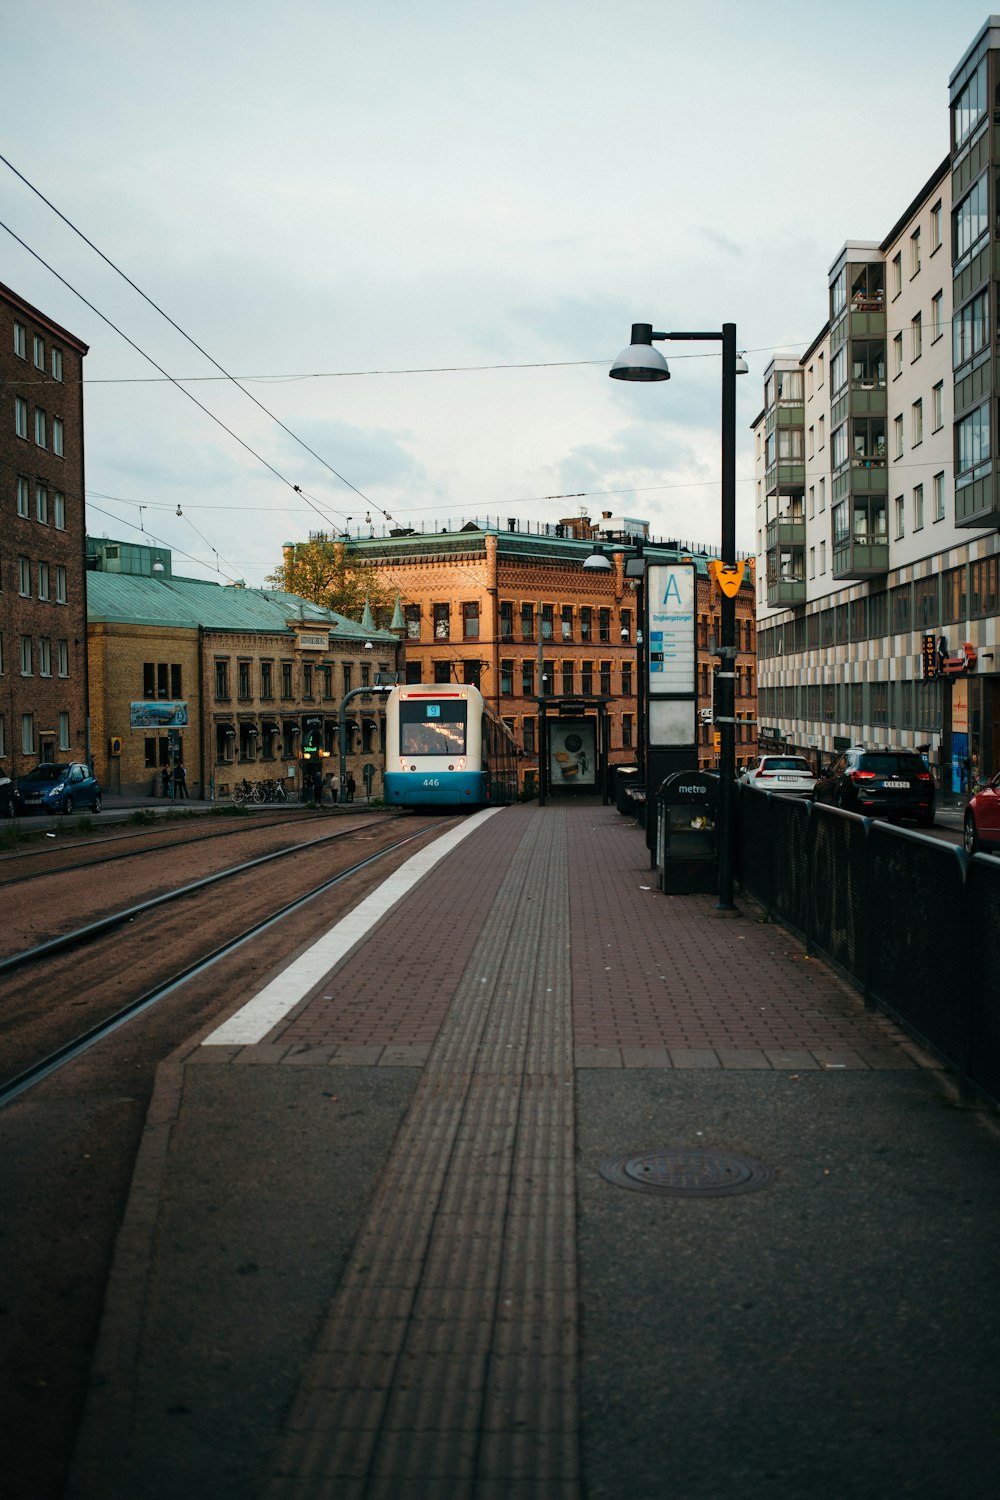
column 670, row 608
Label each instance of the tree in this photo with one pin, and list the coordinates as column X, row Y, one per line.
column 318, row 570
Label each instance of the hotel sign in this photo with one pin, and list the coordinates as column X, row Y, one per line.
column 313, row 641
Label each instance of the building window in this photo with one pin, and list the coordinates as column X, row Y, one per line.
column 442, row 671
column 23, row 497
column 586, row 627
column 243, row 669
column 62, row 652
column 586, row 677
column 506, row 677
column 42, row 504
column 442, row 622
column 900, row 517
column 567, row 622
column 43, row 580
column 937, row 316
column 936, row 227
column 627, row 679
column 38, row 350
column 412, row 671
column 917, row 420
column 529, row 734
column 24, row 577
column 914, row 252
column 973, row 440
column 897, row 355
column 626, row 731
column 527, row 622
column 221, row 679
column 26, row 656
column 527, row 679
column 604, row 624
column 822, row 496
column 57, row 436
column 918, row 507
column 61, row 585
column 307, row 680
column 470, row 620
column 606, row 679
column 897, row 428
column 970, row 329
column 937, row 407
column 916, row 336
column 970, row 106
column 896, row 274
column 346, row 668
column 939, row 496
column 20, row 341
column 286, row 679
column 27, row 734
column 411, row 615
column 267, row 680
column 567, row 678
column 20, row 417
column 970, row 221
column 44, row 656
column 41, row 438
column 57, row 364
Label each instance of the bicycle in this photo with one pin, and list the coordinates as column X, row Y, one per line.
column 242, row 792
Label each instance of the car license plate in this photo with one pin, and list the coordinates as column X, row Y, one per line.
column 788, row 778
column 896, row 786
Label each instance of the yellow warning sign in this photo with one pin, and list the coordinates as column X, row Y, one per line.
column 728, row 576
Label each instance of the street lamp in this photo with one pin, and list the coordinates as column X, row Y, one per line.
column 640, row 361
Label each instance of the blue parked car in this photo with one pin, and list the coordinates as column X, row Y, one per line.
column 58, row 788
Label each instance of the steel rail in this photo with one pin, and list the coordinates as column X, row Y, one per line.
column 80, row 935
column 21, row 1082
column 166, row 846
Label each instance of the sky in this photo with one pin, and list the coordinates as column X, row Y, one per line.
column 418, row 233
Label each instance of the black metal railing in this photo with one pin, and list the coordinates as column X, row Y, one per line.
column 912, row 922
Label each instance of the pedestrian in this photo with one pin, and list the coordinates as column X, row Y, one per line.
column 316, row 773
column 332, row 786
column 180, row 780
column 166, row 781
column 351, row 788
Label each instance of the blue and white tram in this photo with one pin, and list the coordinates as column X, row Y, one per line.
column 446, row 747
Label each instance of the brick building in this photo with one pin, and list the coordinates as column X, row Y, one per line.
column 516, row 612
column 43, row 623
column 233, row 681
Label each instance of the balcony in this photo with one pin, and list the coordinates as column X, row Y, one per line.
column 860, row 557
column 788, row 530
column 786, row 592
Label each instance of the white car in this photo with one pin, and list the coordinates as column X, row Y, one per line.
column 781, row 773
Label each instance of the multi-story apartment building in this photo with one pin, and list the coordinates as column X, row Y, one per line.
column 43, row 622
column 515, row 611
column 236, row 682
column 878, row 482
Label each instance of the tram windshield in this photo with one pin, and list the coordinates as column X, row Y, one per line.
column 432, row 727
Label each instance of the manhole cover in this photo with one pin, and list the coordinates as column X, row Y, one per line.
column 680, row 1172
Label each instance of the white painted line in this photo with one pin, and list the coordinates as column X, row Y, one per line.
column 252, row 1022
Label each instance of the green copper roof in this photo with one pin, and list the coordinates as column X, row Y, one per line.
column 186, row 603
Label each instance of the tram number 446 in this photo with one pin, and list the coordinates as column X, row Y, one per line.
column 431, row 781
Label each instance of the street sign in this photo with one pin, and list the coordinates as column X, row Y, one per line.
column 728, row 576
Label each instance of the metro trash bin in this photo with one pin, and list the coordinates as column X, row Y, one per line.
column 626, row 783
column 687, row 812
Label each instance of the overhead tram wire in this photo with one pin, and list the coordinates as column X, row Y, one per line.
column 194, row 344
column 150, row 360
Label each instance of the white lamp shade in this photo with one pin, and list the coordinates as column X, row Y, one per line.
column 640, row 362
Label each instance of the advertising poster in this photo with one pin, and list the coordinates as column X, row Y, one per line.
column 572, row 753
column 161, row 715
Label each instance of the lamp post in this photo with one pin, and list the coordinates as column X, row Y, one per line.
column 640, row 361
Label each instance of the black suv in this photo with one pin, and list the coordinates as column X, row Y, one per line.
column 880, row 783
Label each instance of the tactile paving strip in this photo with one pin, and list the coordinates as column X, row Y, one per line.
column 448, row 1361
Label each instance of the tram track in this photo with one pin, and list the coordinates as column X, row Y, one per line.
column 145, row 840
column 121, row 965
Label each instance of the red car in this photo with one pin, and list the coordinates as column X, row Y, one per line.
column 982, row 818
